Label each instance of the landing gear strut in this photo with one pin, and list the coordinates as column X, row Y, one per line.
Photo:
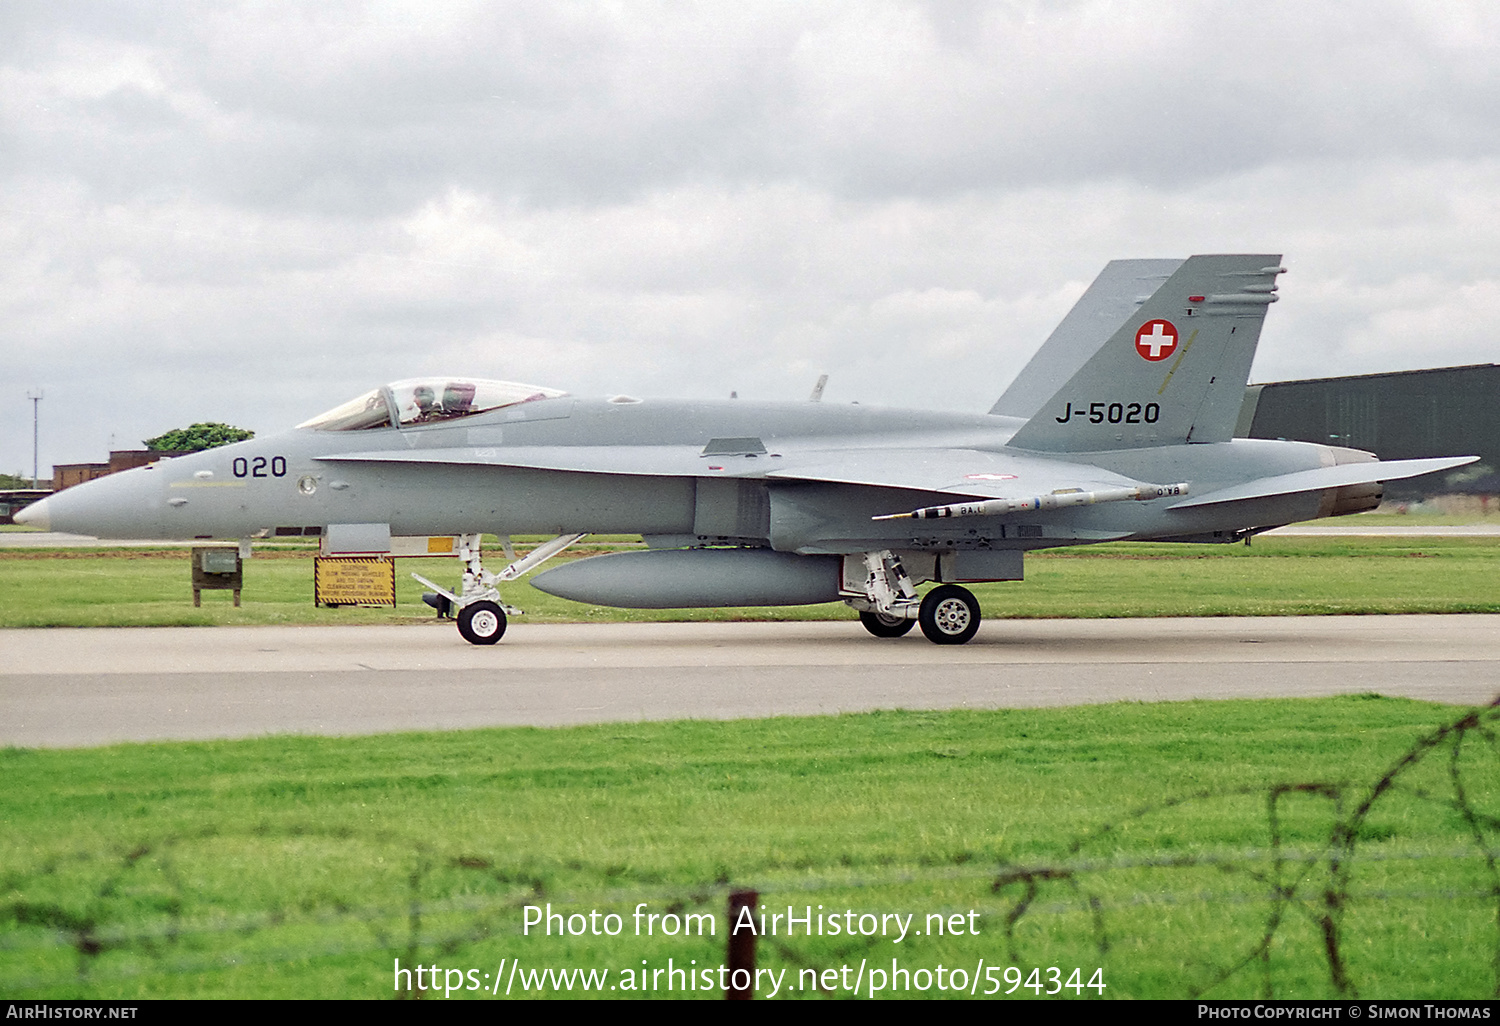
column 481, row 613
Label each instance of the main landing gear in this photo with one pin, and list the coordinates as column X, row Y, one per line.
column 885, row 625
column 482, row 616
column 949, row 615
column 889, row 605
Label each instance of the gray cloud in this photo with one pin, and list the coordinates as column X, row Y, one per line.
column 248, row 213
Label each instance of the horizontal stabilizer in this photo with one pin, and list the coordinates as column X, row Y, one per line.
column 1326, row 477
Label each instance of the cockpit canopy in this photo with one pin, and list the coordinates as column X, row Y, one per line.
column 426, row 401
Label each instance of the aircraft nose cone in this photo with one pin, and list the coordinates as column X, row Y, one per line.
column 35, row 515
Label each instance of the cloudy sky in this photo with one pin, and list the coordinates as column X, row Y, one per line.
column 249, row 213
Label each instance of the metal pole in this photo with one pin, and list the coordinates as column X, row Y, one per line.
column 35, row 401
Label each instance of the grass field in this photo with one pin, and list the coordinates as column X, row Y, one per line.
column 1275, row 576
column 1186, row 849
column 303, row 867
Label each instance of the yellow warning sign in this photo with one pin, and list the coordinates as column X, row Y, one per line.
column 354, row 581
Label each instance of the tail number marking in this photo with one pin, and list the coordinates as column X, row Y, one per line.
column 1114, row 413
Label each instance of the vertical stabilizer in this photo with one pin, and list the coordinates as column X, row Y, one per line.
column 1122, row 286
column 1173, row 372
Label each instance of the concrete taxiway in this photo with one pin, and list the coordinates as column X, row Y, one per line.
column 67, row 687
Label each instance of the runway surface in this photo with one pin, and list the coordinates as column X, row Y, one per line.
column 77, row 687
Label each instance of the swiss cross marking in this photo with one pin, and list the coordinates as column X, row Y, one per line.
column 1156, row 340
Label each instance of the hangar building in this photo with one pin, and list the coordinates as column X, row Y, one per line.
column 1445, row 411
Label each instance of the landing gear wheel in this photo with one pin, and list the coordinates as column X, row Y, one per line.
column 949, row 615
column 481, row 623
column 883, row 625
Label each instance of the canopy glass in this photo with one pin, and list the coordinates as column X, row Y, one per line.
column 426, row 401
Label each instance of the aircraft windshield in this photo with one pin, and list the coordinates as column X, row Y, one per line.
column 367, row 411
column 426, row 401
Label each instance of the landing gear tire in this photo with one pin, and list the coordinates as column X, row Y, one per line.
column 883, row 625
column 481, row 623
column 949, row 615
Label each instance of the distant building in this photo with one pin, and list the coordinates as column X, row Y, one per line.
column 1446, row 411
column 66, row 475
column 13, row 500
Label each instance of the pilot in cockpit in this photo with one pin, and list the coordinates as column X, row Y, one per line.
column 416, row 402
column 423, row 406
column 458, row 399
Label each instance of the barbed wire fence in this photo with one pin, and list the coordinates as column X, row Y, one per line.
column 1313, row 883
column 106, row 918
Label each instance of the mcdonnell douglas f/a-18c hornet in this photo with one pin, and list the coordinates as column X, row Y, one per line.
column 1121, row 427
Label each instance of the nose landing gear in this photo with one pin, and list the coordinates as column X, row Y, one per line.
column 482, row 622
column 482, row 616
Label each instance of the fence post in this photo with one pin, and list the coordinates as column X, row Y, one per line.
column 741, row 947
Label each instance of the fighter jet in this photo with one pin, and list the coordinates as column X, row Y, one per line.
column 1120, row 428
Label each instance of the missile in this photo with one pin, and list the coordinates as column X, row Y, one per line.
column 1060, row 499
column 696, row 578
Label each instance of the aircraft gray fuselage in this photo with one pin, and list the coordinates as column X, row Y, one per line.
column 295, row 480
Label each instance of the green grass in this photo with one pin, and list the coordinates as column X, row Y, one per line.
column 1276, row 576
column 1417, row 518
column 302, row 867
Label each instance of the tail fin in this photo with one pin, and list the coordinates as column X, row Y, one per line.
column 1122, row 286
column 1174, row 371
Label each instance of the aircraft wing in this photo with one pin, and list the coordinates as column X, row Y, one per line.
column 971, row 472
column 967, row 472
column 1325, row 477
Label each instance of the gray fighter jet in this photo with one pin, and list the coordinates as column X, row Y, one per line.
column 1120, row 428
